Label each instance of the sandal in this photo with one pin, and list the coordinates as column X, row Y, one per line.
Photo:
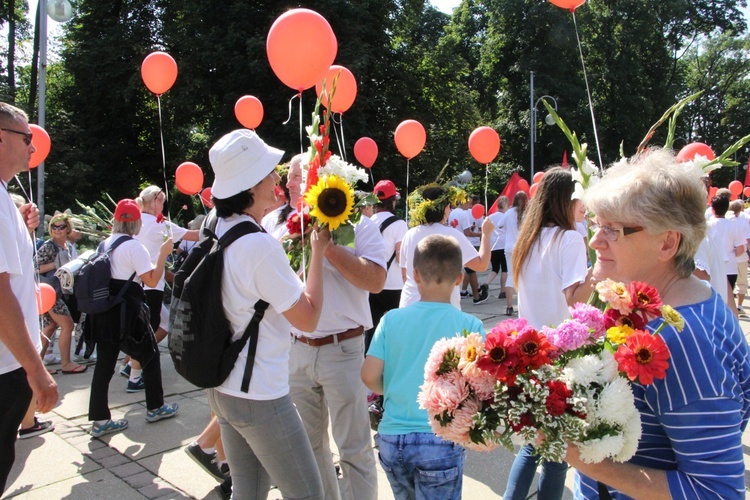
column 509, row 311
column 77, row 369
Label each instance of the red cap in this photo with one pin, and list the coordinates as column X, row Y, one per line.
column 127, row 211
column 385, row 189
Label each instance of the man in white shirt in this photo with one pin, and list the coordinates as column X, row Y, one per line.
column 22, row 373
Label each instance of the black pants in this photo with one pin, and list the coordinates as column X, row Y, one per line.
column 15, row 397
column 154, row 300
column 107, row 352
column 380, row 303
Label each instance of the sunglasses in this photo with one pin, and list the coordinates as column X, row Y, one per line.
column 27, row 136
column 59, row 227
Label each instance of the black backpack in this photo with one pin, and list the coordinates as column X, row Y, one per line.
column 200, row 336
column 92, row 283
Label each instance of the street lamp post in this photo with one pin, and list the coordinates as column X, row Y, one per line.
column 532, row 112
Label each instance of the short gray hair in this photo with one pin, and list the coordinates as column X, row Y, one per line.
column 652, row 190
column 131, row 228
column 11, row 114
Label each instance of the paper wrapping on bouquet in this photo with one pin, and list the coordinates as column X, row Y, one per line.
column 67, row 273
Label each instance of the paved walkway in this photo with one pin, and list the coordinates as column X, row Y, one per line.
column 147, row 460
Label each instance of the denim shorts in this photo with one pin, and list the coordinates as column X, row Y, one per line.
column 422, row 465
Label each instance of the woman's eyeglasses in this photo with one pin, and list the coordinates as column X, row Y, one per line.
column 27, row 136
column 59, row 227
column 613, row 233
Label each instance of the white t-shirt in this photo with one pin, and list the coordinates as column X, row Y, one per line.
column 456, row 218
column 511, row 231
column 131, row 256
column 392, row 235
column 498, row 235
column 475, row 226
column 552, row 265
column 17, row 259
column 152, row 235
column 410, row 293
column 743, row 220
column 707, row 259
column 255, row 267
column 270, row 223
column 727, row 236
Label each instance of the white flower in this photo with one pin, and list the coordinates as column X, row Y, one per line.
column 588, row 167
column 631, row 435
column 616, row 402
column 338, row 167
column 578, row 191
column 577, row 176
column 582, row 371
column 596, row 450
column 609, row 370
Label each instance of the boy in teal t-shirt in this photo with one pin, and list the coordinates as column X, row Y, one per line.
column 418, row 463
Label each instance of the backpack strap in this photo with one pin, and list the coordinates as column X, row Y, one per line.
column 251, row 332
column 121, row 293
column 383, row 226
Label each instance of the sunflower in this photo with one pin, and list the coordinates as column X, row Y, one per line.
column 332, row 201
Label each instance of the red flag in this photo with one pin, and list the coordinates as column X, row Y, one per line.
column 565, row 159
column 510, row 190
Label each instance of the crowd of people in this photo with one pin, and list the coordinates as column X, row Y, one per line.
column 360, row 325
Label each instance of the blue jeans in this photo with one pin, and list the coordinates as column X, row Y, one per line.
column 551, row 480
column 265, row 442
column 422, row 466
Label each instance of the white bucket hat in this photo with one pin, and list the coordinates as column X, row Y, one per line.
column 240, row 160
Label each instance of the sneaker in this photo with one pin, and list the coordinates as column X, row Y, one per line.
column 136, row 386
column 225, row 489
column 167, row 410
column 484, row 292
column 501, row 296
column 51, row 359
column 39, row 427
column 83, row 361
column 108, row 427
column 206, row 460
column 480, row 299
column 125, row 371
column 465, row 294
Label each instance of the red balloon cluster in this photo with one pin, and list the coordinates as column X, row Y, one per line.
column 249, row 111
column 188, row 178
column 484, row 144
column 301, row 48
column 159, row 72
column 346, row 89
column 410, row 138
column 41, row 141
column 366, row 151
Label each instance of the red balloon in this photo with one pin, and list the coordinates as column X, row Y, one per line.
column 346, row 89
column 366, row 151
column 301, row 47
column 249, row 111
column 735, row 187
column 188, row 178
column 538, row 177
column 484, row 144
column 159, row 72
column 410, row 138
column 746, row 192
column 477, row 211
column 571, row 5
column 206, row 198
column 689, row 152
column 45, row 298
column 533, row 188
column 523, row 185
column 41, row 141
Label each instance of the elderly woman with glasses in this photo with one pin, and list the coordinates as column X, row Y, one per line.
column 55, row 252
column 649, row 222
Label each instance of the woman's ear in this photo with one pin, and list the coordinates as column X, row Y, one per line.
column 669, row 245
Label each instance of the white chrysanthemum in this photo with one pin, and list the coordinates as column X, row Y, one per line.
column 583, row 371
column 609, row 370
column 631, row 437
column 338, row 167
column 616, row 402
column 596, row 450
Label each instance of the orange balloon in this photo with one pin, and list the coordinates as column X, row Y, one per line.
column 484, row 144
column 366, row 151
column 523, row 185
column 477, row 211
column 159, row 72
column 571, row 5
column 206, row 198
column 735, row 187
column 689, row 152
column 45, row 298
column 301, row 47
column 410, row 138
column 346, row 89
column 188, row 178
column 533, row 188
column 41, row 141
column 746, row 192
column 538, row 177
column 249, row 111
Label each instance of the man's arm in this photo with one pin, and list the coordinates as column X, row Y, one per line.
column 358, row 271
column 15, row 335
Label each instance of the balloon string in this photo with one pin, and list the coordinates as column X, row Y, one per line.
column 407, row 191
column 486, row 186
column 588, row 92
column 372, row 178
column 164, row 166
column 289, row 115
column 301, row 127
column 342, row 144
column 25, row 194
column 31, row 188
column 33, row 240
column 336, row 134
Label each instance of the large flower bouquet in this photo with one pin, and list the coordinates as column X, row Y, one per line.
column 548, row 388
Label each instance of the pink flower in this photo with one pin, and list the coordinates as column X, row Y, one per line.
column 511, row 327
column 501, row 357
column 591, row 317
column 615, row 294
column 436, row 360
column 482, row 383
column 463, row 421
column 446, row 393
column 184, row 207
column 569, row 335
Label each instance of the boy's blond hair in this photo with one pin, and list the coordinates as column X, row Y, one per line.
column 438, row 259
